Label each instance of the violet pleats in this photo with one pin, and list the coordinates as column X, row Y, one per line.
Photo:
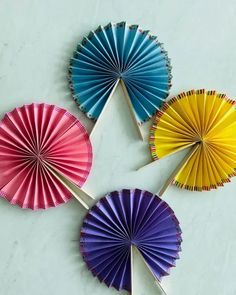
column 124, row 218
column 32, row 138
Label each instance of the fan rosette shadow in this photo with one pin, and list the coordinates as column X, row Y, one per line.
column 128, row 218
column 205, row 122
column 32, row 139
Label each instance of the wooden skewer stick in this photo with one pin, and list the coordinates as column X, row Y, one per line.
column 131, row 109
column 176, row 171
column 104, row 108
column 179, row 150
column 84, row 198
column 136, row 255
column 132, row 269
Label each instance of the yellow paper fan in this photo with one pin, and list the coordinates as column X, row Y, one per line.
column 206, row 122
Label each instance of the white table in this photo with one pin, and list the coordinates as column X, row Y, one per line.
column 39, row 251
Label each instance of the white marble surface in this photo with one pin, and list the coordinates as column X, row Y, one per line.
column 39, row 251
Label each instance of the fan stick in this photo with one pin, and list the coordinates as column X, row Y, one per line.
column 177, row 169
column 104, row 108
column 84, row 198
column 131, row 109
column 179, row 150
column 135, row 256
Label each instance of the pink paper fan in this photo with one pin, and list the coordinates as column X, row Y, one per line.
column 32, row 138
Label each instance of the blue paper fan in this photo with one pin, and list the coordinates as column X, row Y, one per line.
column 120, row 52
column 125, row 219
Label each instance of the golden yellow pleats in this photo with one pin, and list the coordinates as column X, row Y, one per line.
column 202, row 118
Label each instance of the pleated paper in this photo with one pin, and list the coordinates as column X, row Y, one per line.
column 125, row 218
column 120, row 51
column 34, row 138
column 206, row 121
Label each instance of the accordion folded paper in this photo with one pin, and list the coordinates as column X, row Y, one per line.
column 121, row 221
column 38, row 143
column 120, row 52
column 205, row 121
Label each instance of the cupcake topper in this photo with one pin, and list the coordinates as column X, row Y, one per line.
column 123, row 226
column 120, row 53
column 42, row 149
column 204, row 122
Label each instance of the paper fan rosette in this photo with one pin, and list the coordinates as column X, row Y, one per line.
column 124, row 220
column 120, row 52
column 35, row 140
column 205, row 121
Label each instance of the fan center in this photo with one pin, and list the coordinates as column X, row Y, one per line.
column 37, row 157
column 200, row 139
column 132, row 242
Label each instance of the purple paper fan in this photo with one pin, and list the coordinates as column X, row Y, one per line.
column 124, row 218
